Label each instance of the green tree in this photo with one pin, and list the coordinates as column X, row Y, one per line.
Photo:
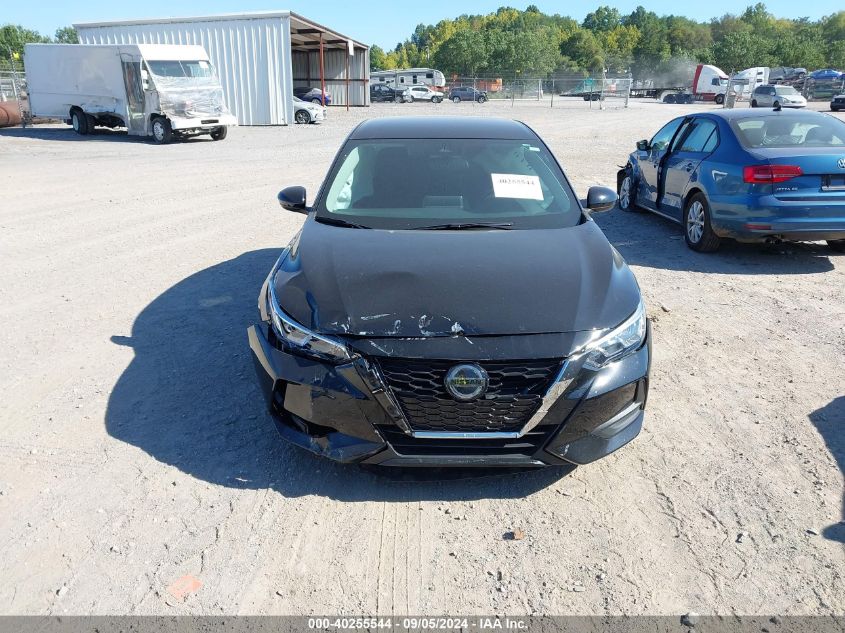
column 378, row 58
column 740, row 50
column 584, row 49
column 13, row 37
column 602, row 19
column 67, row 35
column 653, row 47
column 465, row 53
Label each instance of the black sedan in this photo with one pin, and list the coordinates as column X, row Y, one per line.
column 449, row 301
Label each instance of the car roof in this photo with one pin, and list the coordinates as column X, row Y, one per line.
column 755, row 113
column 443, row 127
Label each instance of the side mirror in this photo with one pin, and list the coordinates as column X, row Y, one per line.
column 601, row 199
column 293, row 199
column 642, row 145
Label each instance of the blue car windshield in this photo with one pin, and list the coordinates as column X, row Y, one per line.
column 415, row 183
column 790, row 130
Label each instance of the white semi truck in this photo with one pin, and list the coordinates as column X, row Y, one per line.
column 159, row 90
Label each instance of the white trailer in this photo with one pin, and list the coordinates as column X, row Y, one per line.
column 405, row 77
column 164, row 91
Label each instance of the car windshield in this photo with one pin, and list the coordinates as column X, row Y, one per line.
column 415, row 183
column 786, row 90
column 790, row 130
column 180, row 68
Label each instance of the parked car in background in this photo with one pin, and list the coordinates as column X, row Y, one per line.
column 825, row 74
column 422, row 93
column 777, row 96
column 450, row 302
column 467, row 93
column 307, row 112
column 382, row 92
column 749, row 175
column 786, row 73
column 314, row 95
column 837, row 103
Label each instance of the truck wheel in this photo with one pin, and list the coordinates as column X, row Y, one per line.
column 698, row 231
column 162, row 132
column 79, row 121
column 219, row 133
column 720, row 99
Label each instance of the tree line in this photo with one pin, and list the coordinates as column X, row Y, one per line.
column 13, row 37
column 513, row 43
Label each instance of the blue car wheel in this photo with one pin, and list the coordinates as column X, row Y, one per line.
column 698, row 232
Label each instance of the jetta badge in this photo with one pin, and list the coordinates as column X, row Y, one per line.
column 466, row 382
column 841, row 163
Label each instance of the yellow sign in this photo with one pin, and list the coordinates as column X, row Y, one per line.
column 16, row 55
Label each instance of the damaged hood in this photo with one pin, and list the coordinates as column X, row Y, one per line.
column 379, row 283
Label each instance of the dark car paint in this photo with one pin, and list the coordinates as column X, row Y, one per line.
column 341, row 412
column 418, row 283
column 718, row 176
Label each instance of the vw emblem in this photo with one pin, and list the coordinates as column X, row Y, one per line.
column 841, row 163
column 466, row 382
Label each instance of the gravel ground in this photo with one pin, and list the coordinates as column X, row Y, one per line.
column 140, row 473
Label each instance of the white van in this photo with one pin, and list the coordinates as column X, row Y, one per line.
column 159, row 90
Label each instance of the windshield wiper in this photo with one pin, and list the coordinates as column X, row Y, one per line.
column 339, row 222
column 456, row 226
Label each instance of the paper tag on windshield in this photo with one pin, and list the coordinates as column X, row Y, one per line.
column 517, row 186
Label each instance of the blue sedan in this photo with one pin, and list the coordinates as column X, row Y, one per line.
column 749, row 175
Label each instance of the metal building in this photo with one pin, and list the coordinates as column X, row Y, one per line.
column 260, row 57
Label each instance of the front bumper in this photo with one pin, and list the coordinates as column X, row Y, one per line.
column 343, row 412
column 201, row 122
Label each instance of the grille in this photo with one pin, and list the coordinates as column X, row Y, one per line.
column 513, row 394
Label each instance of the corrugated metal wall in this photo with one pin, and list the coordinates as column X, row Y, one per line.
column 252, row 57
column 308, row 64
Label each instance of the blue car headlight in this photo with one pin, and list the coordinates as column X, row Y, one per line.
column 299, row 338
column 620, row 342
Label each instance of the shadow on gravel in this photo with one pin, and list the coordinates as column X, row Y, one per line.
column 646, row 239
column 830, row 423
column 67, row 134
column 189, row 399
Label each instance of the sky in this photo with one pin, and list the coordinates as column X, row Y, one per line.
column 379, row 22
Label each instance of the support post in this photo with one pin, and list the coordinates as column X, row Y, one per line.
column 322, row 73
column 347, row 81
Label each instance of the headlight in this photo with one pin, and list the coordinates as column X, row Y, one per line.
column 299, row 338
column 619, row 342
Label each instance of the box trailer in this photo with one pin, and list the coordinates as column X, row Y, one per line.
column 164, row 91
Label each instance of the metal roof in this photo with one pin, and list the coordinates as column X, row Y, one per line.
column 443, row 127
column 305, row 33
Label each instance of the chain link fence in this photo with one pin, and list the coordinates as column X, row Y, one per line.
column 596, row 91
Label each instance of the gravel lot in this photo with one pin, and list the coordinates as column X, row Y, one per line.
column 136, row 450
